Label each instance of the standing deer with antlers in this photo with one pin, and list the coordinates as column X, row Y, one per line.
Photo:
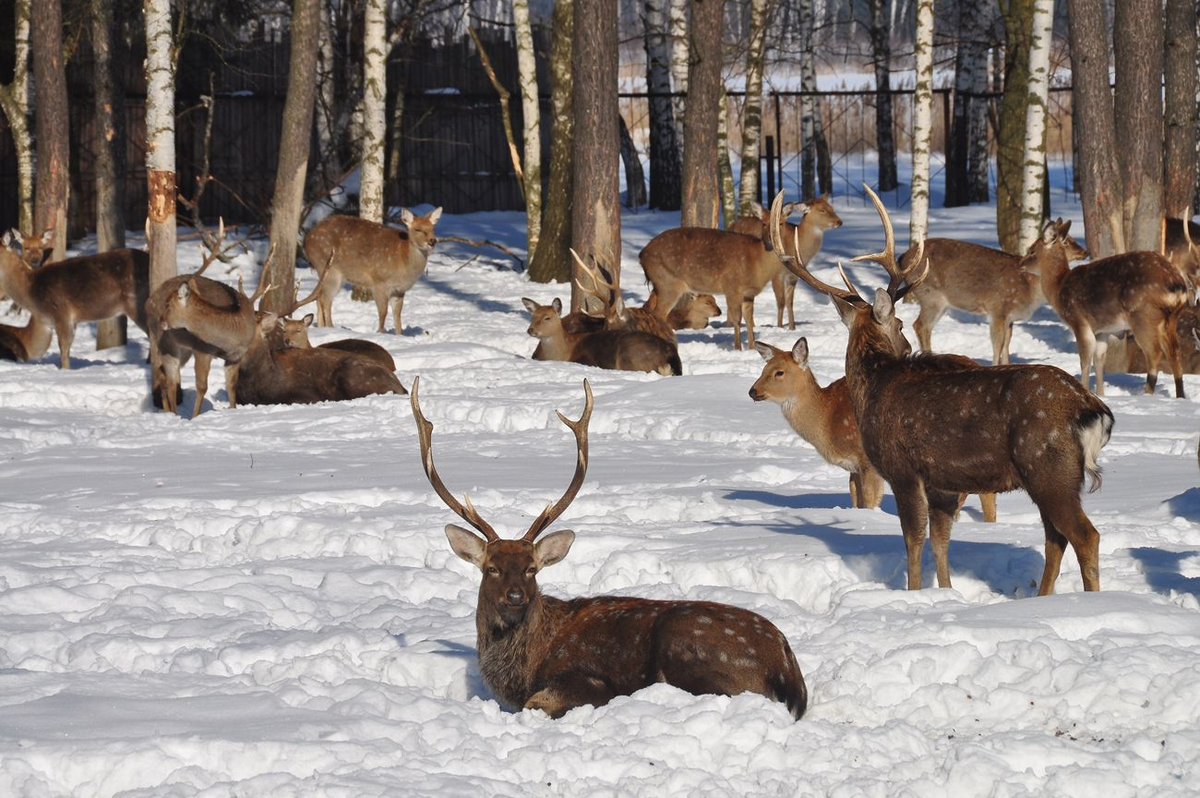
column 540, row 652
column 940, row 426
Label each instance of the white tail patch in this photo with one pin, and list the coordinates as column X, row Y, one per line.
column 1093, row 436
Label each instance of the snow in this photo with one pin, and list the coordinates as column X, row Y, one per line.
column 262, row 601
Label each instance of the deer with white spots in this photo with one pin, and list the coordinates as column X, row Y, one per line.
column 541, row 652
column 940, row 426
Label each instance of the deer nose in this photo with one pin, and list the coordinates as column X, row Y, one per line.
column 515, row 596
column 754, row 393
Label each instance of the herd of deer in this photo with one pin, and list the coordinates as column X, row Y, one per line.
column 934, row 427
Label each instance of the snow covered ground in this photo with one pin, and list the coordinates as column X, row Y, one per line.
column 262, row 601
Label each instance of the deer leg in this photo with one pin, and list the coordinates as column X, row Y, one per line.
column 1098, row 356
column 778, row 288
column 998, row 327
column 733, row 305
column 856, row 491
column 397, row 306
column 872, row 488
column 913, row 508
column 1064, row 514
column 66, row 335
column 789, row 297
column 748, row 312
column 987, row 502
column 231, row 378
column 931, row 310
column 1006, row 346
column 943, row 507
column 200, row 367
column 570, row 690
column 1055, row 545
column 1085, row 339
column 1171, row 348
column 329, row 288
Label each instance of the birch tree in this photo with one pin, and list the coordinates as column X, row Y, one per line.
column 724, row 167
column 370, row 197
column 288, row 198
column 14, row 101
column 881, row 55
column 749, row 190
column 1180, row 78
column 966, row 161
column 922, row 122
column 110, row 155
column 664, row 143
column 552, row 260
column 701, row 170
column 52, row 117
column 160, row 142
column 678, row 14
column 1137, row 50
column 1034, row 180
column 815, row 155
column 531, row 121
column 1018, row 23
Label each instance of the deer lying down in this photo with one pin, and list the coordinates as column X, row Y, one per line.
column 1181, row 245
column 624, row 350
column 295, row 336
column 692, row 312
column 1125, row 355
column 26, row 343
column 541, row 652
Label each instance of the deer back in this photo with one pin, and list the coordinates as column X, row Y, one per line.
column 94, row 287
column 372, row 254
column 1108, row 293
column 973, row 277
column 709, row 261
column 217, row 318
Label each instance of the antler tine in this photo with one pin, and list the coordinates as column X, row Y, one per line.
column 213, row 246
column 425, row 435
column 600, row 284
column 553, row 511
column 316, row 289
column 793, row 261
column 887, row 258
column 263, row 286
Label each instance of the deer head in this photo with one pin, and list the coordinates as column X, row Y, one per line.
column 420, row 228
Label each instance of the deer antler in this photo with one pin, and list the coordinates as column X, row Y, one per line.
column 425, row 435
column 901, row 281
column 794, row 262
column 212, row 246
column 263, row 286
column 601, row 281
column 299, row 303
column 549, row 515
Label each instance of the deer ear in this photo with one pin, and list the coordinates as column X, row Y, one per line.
column 406, row 216
column 466, row 544
column 529, row 304
column 48, row 237
column 800, row 352
column 308, row 320
column 557, row 305
column 1049, row 233
column 845, row 309
column 553, row 547
column 766, row 350
column 757, row 209
column 883, row 309
column 434, row 215
column 267, row 323
column 8, row 239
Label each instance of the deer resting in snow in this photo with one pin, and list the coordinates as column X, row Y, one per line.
column 541, row 652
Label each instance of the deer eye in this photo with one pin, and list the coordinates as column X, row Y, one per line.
column 778, row 375
column 531, row 571
column 493, row 570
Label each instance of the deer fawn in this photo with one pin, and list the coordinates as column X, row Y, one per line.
column 976, row 279
column 819, row 216
column 295, row 336
column 699, row 260
column 24, row 343
column 1180, row 246
column 602, row 300
column 939, row 426
column 1138, row 291
column 386, row 260
column 692, row 312
column 626, row 350
column 86, row 288
column 540, row 652
column 1125, row 355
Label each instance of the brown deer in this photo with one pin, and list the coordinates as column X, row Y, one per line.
column 602, row 300
column 939, row 426
column 1125, row 355
column 976, row 279
column 625, row 350
column 692, row 312
column 1181, row 247
column 540, row 652
column 24, row 343
column 700, row 260
column 819, row 216
column 295, row 336
column 85, row 288
column 385, row 260
column 1137, row 291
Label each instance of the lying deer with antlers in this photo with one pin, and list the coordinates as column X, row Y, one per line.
column 1137, row 291
column 1180, row 237
column 1125, row 355
column 624, row 350
column 940, row 426
column 540, row 652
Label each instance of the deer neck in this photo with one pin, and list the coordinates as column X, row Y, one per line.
column 805, row 410
column 509, row 652
column 811, row 237
column 869, row 362
column 1054, row 268
column 16, row 279
column 560, row 344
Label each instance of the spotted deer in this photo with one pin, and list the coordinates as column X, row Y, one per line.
column 602, row 300
column 937, row 427
column 540, row 652
column 1137, row 291
column 692, row 312
column 624, row 350
column 976, row 279
column 819, row 216
column 1125, row 355
column 1181, row 245
column 383, row 259
column 24, row 343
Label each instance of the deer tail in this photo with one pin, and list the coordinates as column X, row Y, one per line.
column 1093, row 428
column 789, row 686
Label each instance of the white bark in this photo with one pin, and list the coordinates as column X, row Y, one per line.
column 1034, row 171
column 370, row 198
column 531, row 121
column 326, row 111
column 752, row 110
column 922, row 122
column 14, row 100
column 160, row 139
column 678, row 14
column 728, row 198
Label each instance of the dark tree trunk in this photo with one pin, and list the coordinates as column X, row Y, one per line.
column 1180, row 76
column 52, row 115
column 664, row 147
column 596, row 204
column 701, row 172
column 965, row 139
column 1138, row 56
column 110, row 154
column 1092, row 114
column 294, row 144
column 881, row 54
column 552, row 260
column 635, row 176
column 1010, row 155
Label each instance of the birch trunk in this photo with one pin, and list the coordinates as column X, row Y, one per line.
column 966, row 151
column 728, row 192
column 749, row 190
column 14, row 101
column 326, row 112
column 881, row 55
column 370, row 197
column 551, row 260
column 1018, row 22
column 1137, row 50
column 294, row 144
column 52, row 117
column 808, row 85
column 1033, row 183
column 664, row 144
column 1180, row 77
column 160, row 142
column 531, row 121
column 110, row 160
column 701, row 167
column 978, row 157
column 923, row 122
column 678, row 12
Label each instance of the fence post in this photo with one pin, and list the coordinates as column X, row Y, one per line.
column 770, row 159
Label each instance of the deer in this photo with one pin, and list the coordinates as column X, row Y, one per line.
column 939, row 426
column 1137, row 291
column 385, row 260
column 539, row 652
column 819, row 216
column 85, row 288
column 602, row 300
column 24, row 343
column 1125, row 355
column 692, row 312
column 294, row 334
column 625, row 350
column 1179, row 246
column 700, row 260
column 976, row 279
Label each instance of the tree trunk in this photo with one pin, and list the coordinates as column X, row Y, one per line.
column 326, row 113
column 664, row 146
column 1034, row 181
column 1018, row 23
column 881, row 55
column 531, row 122
column 596, row 185
column 370, row 197
column 922, row 123
column 635, row 176
column 701, row 169
column 1179, row 185
column 728, row 192
column 294, row 144
column 808, row 101
column 749, row 190
column 978, row 155
column 678, row 14
column 110, row 155
column 14, row 101
column 53, row 142
column 1138, row 56
column 970, row 80
column 551, row 260
column 1092, row 119
column 160, row 143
